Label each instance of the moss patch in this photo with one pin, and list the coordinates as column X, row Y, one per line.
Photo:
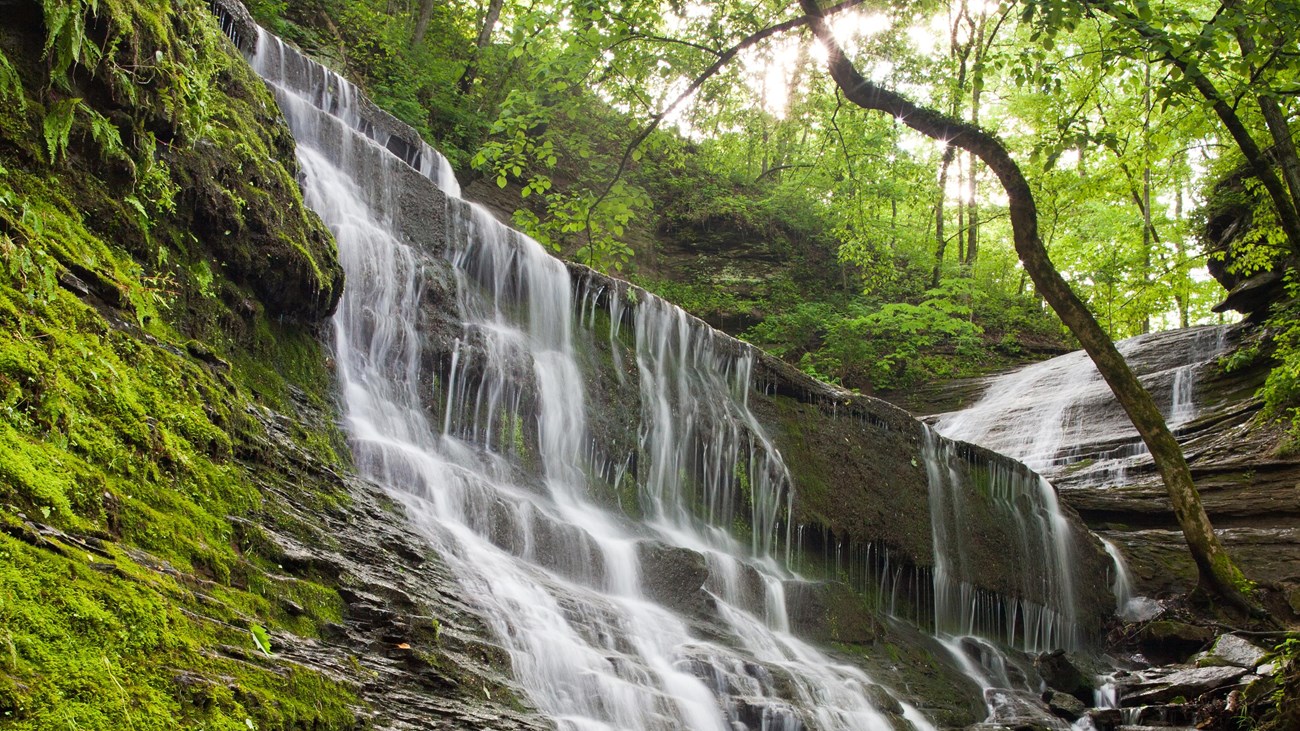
column 161, row 290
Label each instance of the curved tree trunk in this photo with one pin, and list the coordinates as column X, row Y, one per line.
column 1218, row 573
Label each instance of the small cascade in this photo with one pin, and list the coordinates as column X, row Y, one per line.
column 1128, row 605
column 480, row 428
column 1060, row 417
column 716, row 443
column 1212, row 342
column 1029, row 506
column 303, row 86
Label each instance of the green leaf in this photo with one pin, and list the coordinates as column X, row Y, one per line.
column 261, row 637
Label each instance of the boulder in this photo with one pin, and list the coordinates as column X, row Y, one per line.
column 1186, row 684
column 1011, row 709
column 1231, row 650
column 1170, row 641
column 1060, row 674
column 672, row 575
column 1292, row 594
column 1106, row 719
column 1064, row 705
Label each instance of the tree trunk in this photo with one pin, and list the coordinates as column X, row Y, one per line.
column 940, row 243
column 1218, row 573
column 972, row 168
column 422, row 22
column 484, row 38
column 1278, row 129
column 1182, row 291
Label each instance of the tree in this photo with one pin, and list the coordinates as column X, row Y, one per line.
column 1198, row 56
column 1217, row 571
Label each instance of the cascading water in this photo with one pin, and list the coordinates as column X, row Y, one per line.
column 1029, row 504
column 1040, row 413
column 1129, row 606
column 494, row 464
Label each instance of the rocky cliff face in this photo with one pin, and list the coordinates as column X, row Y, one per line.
column 182, row 544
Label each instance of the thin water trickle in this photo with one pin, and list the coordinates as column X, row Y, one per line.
column 495, row 465
column 1129, row 606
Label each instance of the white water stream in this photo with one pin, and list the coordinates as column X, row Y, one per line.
column 1060, row 418
column 494, row 461
column 1059, row 414
column 1029, row 507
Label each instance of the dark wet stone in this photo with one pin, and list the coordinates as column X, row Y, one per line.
column 672, row 575
column 1060, row 673
column 1065, row 705
column 1171, row 641
column 1105, row 719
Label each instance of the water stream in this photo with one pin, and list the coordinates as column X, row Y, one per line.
column 493, row 457
column 1059, row 416
column 1028, row 505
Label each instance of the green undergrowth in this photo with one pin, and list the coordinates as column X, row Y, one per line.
column 161, row 293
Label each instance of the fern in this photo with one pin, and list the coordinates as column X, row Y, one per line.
column 107, row 135
column 65, row 32
column 10, row 83
column 57, row 126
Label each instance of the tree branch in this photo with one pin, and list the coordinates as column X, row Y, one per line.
column 778, row 168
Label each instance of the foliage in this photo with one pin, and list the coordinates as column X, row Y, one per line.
column 786, row 171
column 889, row 346
column 1281, row 389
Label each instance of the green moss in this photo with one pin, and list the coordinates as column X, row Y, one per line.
column 99, row 641
column 805, row 458
column 159, row 310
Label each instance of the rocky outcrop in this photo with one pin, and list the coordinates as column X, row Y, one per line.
column 1163, row 685
column 1229, row 215
column 861, row 490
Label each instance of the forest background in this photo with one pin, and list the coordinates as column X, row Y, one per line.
column 838, row 239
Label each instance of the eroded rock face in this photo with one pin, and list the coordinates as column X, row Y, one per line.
column 859, row 471
column 830, row 612
column 862, row 493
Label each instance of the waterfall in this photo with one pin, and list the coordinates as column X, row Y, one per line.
column 1129, row 606
column 1059, row 416
column 1028, row 505
column 487, row 444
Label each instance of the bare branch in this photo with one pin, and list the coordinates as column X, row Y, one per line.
column 779, row 168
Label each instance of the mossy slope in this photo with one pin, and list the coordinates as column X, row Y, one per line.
column 161, row 290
